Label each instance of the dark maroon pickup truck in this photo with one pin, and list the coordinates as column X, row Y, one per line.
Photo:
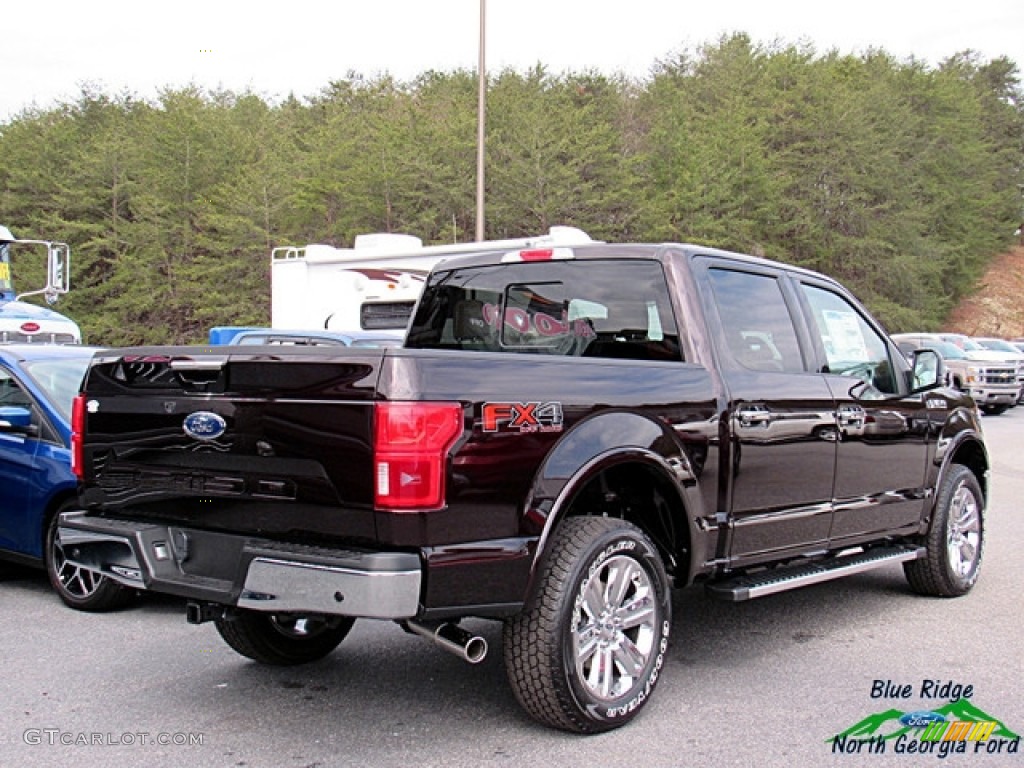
column 567, row 434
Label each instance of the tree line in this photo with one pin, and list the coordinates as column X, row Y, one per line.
column 899, row 178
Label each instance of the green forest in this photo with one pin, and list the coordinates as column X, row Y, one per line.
column 899, row 178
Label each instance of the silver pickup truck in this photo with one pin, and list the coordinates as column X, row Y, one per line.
column 992, row 383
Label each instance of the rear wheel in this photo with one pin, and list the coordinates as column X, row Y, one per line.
column 283, row 639
column 79, row 588
column 955, row 541
column 587, row 651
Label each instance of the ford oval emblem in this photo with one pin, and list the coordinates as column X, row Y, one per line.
column 921, row 719
column 204, row 425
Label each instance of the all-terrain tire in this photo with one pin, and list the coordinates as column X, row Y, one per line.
column 956, row 539
column 283, row 640
column 588, row 649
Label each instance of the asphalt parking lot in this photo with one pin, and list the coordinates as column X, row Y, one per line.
column 765, row 683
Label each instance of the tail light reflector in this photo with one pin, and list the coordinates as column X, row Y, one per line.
column 77, row 434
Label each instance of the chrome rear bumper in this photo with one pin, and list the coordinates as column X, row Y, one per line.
column 245, row 571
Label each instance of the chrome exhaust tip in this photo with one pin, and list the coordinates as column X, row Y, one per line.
column 453, row 638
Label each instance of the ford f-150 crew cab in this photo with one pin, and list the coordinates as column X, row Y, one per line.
column 567, row 434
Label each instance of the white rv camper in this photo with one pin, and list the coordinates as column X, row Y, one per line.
column 372, row 286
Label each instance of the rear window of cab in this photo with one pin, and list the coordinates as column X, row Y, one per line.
column 592, row 308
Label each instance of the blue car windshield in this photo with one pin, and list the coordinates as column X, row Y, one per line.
column 60, row 379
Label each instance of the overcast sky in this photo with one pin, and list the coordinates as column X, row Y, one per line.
column 50, row 48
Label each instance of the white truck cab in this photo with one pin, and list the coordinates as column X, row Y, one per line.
column 23, row 321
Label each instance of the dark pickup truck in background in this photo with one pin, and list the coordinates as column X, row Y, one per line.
column 567, row 434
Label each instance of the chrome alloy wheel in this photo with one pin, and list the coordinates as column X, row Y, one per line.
column 615, row 627
column 963, row 533
column 77, row 582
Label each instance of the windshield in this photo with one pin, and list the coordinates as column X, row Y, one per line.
column 972, row 346
column 947, row 350
column 998, row 345
column 60, row 379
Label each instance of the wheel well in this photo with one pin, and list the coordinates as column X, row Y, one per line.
column 644, row 496
column 972, row 456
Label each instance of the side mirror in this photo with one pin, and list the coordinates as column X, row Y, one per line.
column 929, row 371
column 16, row 419
column 58, row 270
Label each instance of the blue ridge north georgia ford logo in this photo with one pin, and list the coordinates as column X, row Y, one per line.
column 204, row 425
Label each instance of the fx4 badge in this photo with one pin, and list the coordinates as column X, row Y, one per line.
column 521, row 417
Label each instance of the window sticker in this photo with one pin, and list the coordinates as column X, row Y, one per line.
column 845, row 339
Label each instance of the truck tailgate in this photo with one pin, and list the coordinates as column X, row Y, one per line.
column 249, row 441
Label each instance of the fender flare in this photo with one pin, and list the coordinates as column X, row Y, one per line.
column 960, row 436
column 604, row 440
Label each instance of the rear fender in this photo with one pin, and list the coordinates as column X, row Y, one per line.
column 604, row 441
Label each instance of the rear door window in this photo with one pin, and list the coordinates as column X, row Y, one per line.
column 758, row 327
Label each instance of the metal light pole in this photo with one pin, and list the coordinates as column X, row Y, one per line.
column 481, row 97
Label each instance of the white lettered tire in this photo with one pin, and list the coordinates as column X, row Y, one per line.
column 956, row 539
column 587, row 651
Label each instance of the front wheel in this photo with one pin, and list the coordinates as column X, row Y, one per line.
column 588, row 649
column 955, row 541
column 79, row 588
column 281, row 639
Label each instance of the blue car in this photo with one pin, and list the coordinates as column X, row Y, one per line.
column 37, row 384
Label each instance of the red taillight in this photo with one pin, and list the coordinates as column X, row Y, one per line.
column 77, row 433
column 30, row 327
column 411, row 442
